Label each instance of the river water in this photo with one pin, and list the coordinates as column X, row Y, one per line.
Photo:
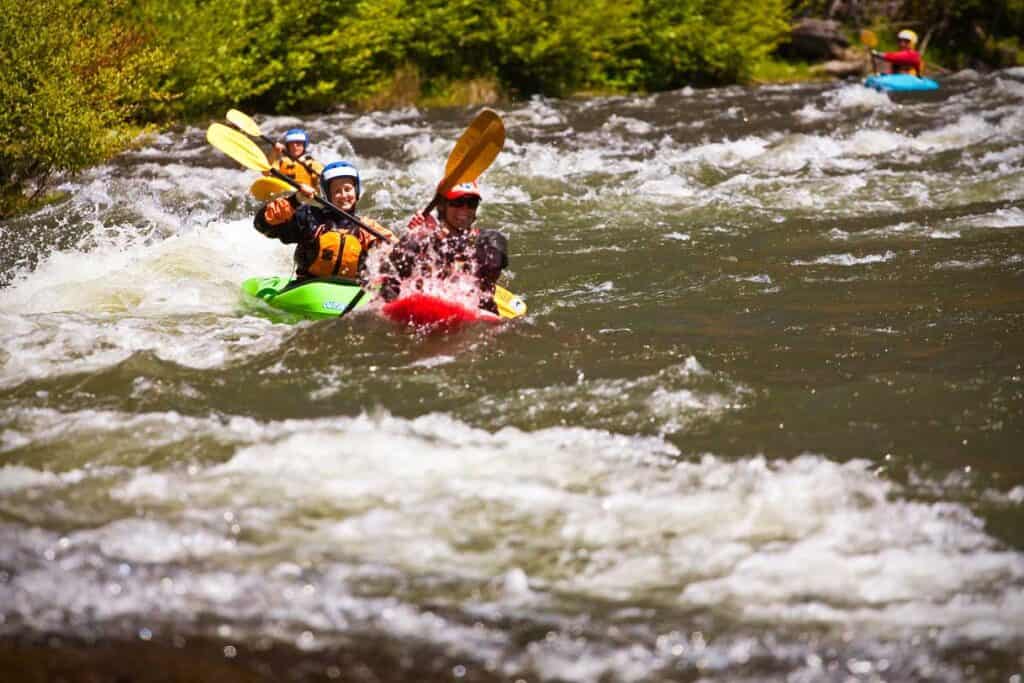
column 763, row 420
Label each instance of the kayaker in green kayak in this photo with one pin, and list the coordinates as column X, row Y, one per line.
column 447, row 246
column 326, row 245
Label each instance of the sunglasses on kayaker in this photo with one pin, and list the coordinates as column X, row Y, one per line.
column 471, row 202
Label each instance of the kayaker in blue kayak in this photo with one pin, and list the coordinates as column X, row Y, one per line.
column 906, row 60
column 291, row 157
column 447, row 246
column 327, row 245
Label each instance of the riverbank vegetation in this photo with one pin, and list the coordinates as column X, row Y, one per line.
column 85, row 77
column 977, row 34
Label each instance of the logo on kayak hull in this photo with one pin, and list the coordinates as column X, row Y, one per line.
column 335, row 305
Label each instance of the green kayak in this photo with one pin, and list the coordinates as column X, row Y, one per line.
column 315, row 298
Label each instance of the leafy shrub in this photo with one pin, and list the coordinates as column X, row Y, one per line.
column 75, row 73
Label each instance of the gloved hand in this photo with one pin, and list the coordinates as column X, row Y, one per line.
column 278, row 211
column 876, row 53
column 419, row 222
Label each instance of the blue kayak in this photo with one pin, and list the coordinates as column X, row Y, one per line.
column 900, row 83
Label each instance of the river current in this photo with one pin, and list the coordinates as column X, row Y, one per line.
column 763, row 421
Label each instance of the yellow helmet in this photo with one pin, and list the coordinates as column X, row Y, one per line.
column 907, row 34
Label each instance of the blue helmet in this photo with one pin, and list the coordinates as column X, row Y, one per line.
column 339, row 169
column 296, row 135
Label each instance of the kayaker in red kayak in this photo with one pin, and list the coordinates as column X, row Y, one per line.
column 447, row 246
column 291, row 157
column 907, row 60
column 327, row 245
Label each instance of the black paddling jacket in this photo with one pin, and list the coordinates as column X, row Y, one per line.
column 438, row 253
column 318, row 253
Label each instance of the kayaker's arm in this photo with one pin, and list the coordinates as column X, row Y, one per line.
column 280, row 219
column 903, row 60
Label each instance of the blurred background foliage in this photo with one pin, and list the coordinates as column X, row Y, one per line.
column 83, row 78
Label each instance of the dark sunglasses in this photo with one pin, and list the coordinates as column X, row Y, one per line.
column 471, row 202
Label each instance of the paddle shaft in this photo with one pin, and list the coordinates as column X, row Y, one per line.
column 432, row 204
column 870, row 41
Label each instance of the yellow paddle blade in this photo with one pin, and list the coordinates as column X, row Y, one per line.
column 868, row 38
column 237, row 146
column 244, row 123
column 267, row 188
column 509, row 305
column 474, row 151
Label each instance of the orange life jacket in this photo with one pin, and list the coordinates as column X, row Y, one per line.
column 338, row 255
column 305, row 169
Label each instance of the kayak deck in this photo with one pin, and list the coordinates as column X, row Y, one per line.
column 900, row 83
column 315, row 298
column 422, row 310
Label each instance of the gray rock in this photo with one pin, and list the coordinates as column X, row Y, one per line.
column 815, row 39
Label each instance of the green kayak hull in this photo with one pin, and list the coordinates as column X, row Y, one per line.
column 316, row 298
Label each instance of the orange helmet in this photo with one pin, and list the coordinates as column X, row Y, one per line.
column 470, row 189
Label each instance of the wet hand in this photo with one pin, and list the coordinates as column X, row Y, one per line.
column 278, row 211
column 419, row 221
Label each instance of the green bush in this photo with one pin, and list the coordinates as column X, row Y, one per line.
column 550, row 47
column 706, row 41
column 75, row 74
column 227, row 51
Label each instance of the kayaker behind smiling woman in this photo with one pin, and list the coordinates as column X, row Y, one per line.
column 907, row 60
column 292, row 158
column 327, row 245
column 444, row 249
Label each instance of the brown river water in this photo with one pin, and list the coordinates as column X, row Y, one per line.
column 764, row 420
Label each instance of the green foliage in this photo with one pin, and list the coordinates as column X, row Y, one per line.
column 74, row 76
column 706, row 40
column 80, row 75
column 557, row 46
column 778, row 71
column 290, row 56
column 978, row 30
column 226, row 50
column 81, row 71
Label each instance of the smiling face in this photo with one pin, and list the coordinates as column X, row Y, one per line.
column 461, row 213
column 295, row 149
column 342, row 192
